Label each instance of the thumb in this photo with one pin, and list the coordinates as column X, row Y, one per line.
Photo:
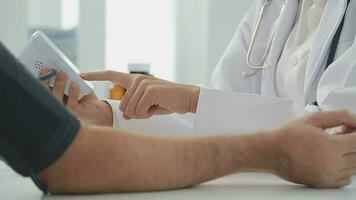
column 119, row 78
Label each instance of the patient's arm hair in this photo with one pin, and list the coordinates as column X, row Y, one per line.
column 102, row 160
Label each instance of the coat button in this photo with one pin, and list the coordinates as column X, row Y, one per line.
column 294, row 62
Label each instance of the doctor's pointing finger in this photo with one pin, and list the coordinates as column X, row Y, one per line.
column 147, row 96
column 286, row 58
column 119, row 78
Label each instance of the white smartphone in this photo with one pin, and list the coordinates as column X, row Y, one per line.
column 41, row 52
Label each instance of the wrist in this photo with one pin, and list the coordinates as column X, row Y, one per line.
column 256, row 153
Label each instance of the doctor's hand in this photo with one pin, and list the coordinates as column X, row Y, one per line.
column 89, row 109
column 147, row 96
column 306, row 154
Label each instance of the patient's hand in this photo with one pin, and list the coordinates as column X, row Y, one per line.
column 304, row 153
column 89, row 109
column 147, row 96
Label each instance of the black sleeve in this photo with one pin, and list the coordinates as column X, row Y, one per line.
column 35, row 128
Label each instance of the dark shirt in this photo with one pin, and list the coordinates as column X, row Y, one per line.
column 35, row 128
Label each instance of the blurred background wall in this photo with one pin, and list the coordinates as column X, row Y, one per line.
column 181, row 39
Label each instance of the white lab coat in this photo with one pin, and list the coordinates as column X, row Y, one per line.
column 240, row 99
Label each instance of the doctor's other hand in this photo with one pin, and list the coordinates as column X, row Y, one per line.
column 147, row 96
column 304, row 153
column 89, row 109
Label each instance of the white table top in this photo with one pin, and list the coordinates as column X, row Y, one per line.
column 243, row 186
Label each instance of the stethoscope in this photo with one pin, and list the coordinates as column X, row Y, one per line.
column 254, row 69
column 263, row 63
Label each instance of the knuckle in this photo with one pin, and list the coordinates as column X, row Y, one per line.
column 139, row 77
column 151, row 89
column 145, row 83
column 129, row 111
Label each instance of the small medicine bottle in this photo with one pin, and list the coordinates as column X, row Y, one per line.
column 117, row 92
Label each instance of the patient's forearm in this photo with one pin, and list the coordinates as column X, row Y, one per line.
column 108, row 160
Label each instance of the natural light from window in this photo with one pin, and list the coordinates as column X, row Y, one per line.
column 70, row 13
column 141, row 31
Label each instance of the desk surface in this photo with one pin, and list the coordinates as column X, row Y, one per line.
column 242, row 186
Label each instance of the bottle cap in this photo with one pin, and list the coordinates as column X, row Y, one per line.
column 139, row 67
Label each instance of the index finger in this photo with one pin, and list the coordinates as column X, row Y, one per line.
column 333, row 119
column 119, row 78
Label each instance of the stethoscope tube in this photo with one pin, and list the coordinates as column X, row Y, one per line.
column 263, row 63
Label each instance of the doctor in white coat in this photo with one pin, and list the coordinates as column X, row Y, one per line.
column 287, row 58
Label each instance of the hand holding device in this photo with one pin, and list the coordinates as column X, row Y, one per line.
column 41, row 52
column 89, row 109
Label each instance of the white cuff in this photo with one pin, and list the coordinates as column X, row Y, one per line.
column 177, row 125
column 115, row 107
column 233, row 112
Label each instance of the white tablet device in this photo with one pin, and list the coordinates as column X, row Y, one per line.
column 42, row 52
